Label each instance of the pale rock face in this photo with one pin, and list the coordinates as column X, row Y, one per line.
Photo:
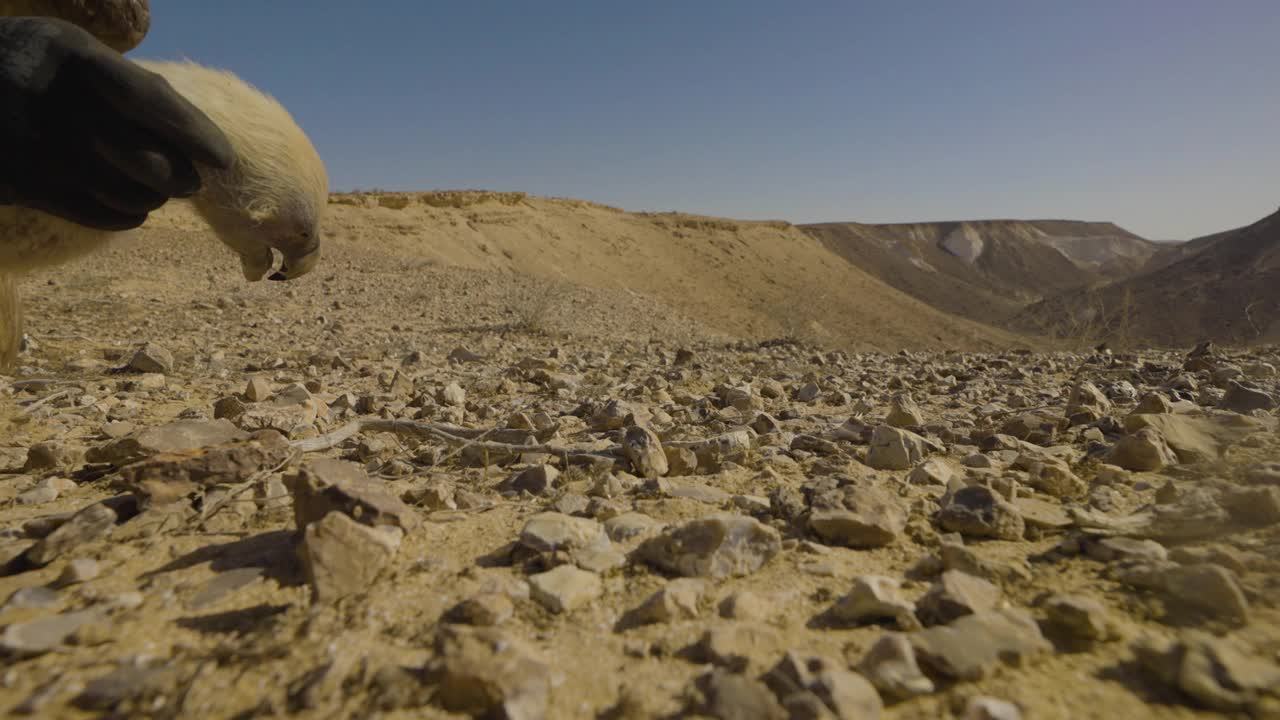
column 965, row 243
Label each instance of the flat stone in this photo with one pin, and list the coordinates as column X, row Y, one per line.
column 716, row 547
column 933, row 471
column 869, row 518
column 737, row 645
column 223, row 585
column 873, row 598
column 565, row 588
column 1042, row 514
column 180, row 436
column 37, row 637
column 989, row 708
column 549, row 532
column 91, row 523
column 972, row 647
column 127, row 683
column 483, row 610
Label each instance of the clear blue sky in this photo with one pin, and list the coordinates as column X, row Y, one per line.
column 1162, row 115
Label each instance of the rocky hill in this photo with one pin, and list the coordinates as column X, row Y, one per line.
column 744, row 279
column 1223, row 287
column 987, row 270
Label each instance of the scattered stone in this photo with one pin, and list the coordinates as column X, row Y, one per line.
column 895, row 449
column 565, row 588
column 79, row 570
column 25, row 639
column 873, row 598
column 34, row 597
column 870, row 518
column 677, row 600
column 180, row 436
column 324, row 486
column 730, row 696
column 978, row 511
column 988, row 708
column 800, row 677
column 891, row 667
column 904, row 412
column 645, row 452
column 715, row 547
column 734, row 646
column 955, row 595
column 483, row 672
column 970, row 648
column 1214, row 673
column 535, row 480
column 483, row 610
column 747, row 606
column 151, row 358
column 1078, row 622
column 1145, row 450
column 91, row 523
column 1243, row 399
column 934, row 471
column 342, row 557
column 549, row 532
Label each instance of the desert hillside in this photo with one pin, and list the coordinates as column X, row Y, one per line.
column 744, row 279
column 1224, row 287
column 987, row 270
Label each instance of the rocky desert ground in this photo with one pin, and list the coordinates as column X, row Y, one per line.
column 539, row 459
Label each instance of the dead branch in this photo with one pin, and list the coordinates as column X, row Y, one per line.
column 451, row 434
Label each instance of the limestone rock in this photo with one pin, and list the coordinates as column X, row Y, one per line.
column 1145, row 450
column 342, row 557
column 324, row 486
column 890, row 664
column 895, row 449
column 645, row 452
column 955, row 595
column 972, row 647
column 483, row 672
column 715, row 547
column 876, row 597
column 565, row 588
column 978, row 511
